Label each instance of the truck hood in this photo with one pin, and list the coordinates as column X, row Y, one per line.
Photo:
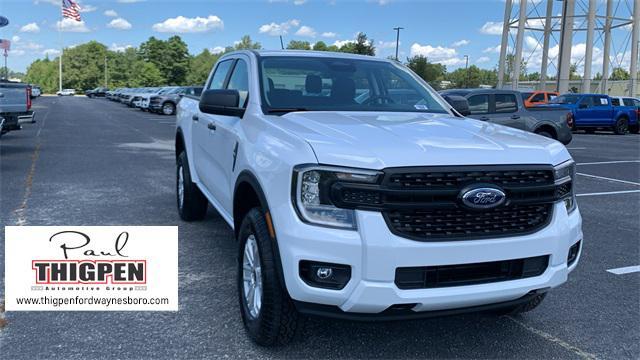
column 379, row 140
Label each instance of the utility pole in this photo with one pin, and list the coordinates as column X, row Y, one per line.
column 105, row 72
column 281, row 43
column 397, row 29
column 466, row 71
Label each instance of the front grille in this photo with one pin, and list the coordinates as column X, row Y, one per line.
column 426, row 277
column 422, row 180
column 425, row 203
column 457, row 223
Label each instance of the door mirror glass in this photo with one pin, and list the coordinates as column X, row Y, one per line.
column 221, row 102
column 459, row 103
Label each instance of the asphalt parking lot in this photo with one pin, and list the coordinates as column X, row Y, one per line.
column 95, row 162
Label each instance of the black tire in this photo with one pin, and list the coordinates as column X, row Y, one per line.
column 277, row 321
column 522, row 308
column 168, row 108
column 193, row 205
column 545, row 134
column 621, row 127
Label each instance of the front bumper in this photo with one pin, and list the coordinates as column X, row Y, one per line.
column 374, row 253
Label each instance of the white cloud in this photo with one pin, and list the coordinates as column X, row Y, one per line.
column 492, row 28
column 129, row 1
column 459, row 43
column 85, row 8
column 70, row 25
column 119, row 48
column 482, row 59
column 119, row 24
column 329, row 34
column 16, row 52
column 15, row 39
column 183, row 24
column 387, row 44
column 492, row 49
column 299, row 2
column 217, row 50
column 110, row 13
column 306, row 31
column 30, row 28
column 437, row 54
column 275, row 29
column 51, row 52
column 341, row 43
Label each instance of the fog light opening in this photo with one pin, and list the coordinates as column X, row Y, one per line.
column 325, row 275
column 573, row 253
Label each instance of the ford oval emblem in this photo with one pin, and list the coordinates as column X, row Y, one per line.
column 483, row 198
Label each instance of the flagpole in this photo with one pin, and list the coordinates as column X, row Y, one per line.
column 61, row 50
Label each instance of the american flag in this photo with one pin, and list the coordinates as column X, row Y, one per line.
column 71, row 10
column 5, row 44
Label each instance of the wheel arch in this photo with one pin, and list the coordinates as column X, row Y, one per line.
column 548, row 128
column 248, row 194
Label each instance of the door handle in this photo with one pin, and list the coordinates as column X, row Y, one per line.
column 515, row 117
column 211, row 126
column 484, row 118
column 195, row 117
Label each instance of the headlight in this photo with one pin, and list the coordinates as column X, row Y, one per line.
column 312, row 194
column 565, row 177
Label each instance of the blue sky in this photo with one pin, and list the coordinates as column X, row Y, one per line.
column 442, row 30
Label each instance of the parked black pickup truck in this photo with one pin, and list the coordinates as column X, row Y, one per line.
column 505, row 107
column 15, row 105
column 97, row 92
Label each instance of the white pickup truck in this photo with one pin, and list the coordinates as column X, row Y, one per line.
column 356, row 192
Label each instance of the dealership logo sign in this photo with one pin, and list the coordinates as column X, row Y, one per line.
column 91, row 268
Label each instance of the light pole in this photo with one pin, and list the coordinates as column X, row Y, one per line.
column 466, row 71
column 397, row 29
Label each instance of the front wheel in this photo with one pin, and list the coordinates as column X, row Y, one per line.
column 168, row 108
column 621, row 127
column 192, row 204
column 268, row 313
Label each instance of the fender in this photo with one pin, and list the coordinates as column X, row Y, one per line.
column 247, row 176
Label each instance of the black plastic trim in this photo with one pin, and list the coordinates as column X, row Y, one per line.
column 390, row 314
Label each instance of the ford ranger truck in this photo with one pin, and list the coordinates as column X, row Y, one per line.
column 351, row 203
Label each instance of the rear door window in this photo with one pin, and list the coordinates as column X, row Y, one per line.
column 601, row 101
column 478, row 104
column 506, row 103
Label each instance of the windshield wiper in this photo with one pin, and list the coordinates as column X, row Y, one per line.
column 286, row 110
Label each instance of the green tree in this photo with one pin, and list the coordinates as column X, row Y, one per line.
column 362, row 46
column 83, row 66
column 466, row 78
column 146, row 74
column 619, row 73
column 200, row 67
column 44, row 73
column 122, row 67
column 171, row 57
column 430, row 72
column 299, row 45
column 245, row 43
column 573, row 72
column 320, row 46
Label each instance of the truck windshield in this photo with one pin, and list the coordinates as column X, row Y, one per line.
column 565, row 99
column 336, row 84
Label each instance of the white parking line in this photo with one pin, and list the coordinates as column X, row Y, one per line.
column 609, row 179
column 609, row 193
column 610, row 162
column 625, row 270
column 576, row 148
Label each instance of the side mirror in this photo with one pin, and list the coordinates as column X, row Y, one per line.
column 459, row 103
column 221, row 102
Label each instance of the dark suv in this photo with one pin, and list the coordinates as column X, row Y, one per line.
column 97, row 92
column 166, row 103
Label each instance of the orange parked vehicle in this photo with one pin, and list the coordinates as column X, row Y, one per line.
column 533, row 98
